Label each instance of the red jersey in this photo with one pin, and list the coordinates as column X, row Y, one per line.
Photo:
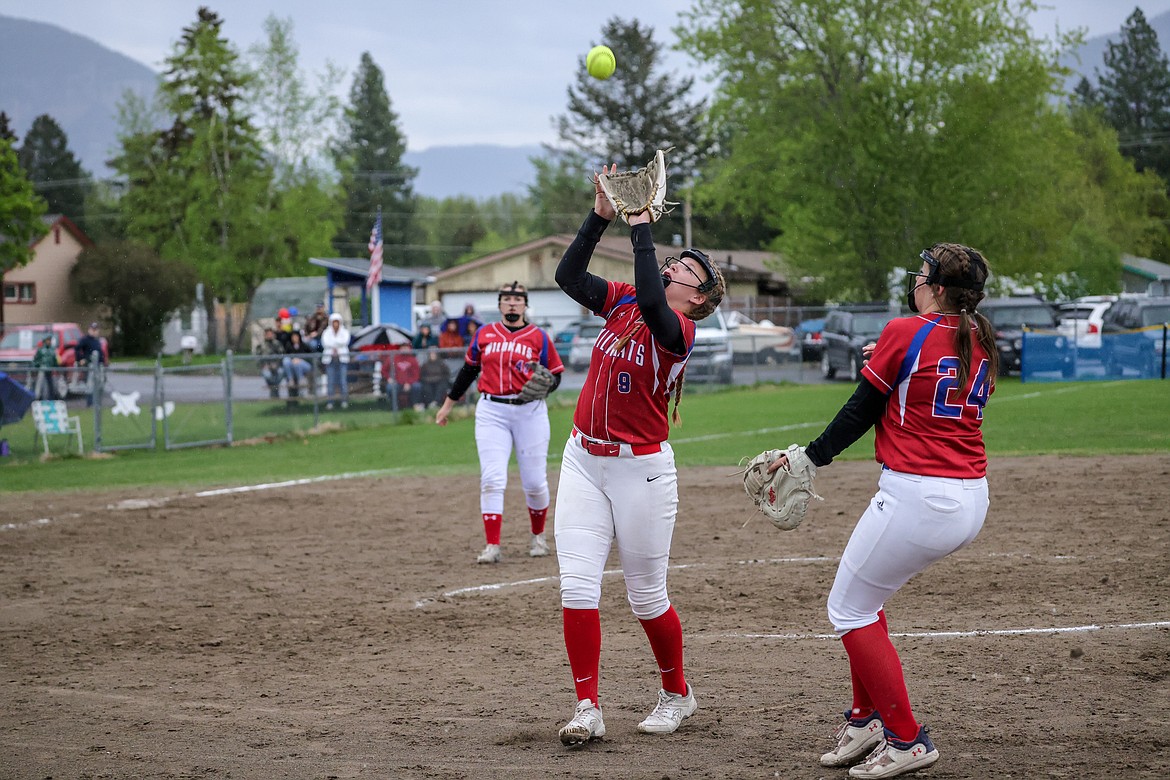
column 503, row 356
column 626, row 394
column 930, row 426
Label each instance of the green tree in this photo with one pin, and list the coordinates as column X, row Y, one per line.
column 864, row 132
column 197, row 190
column 53, row 170
column 20, row 215
column 296, row 125
column 369, row 157
column 1134, row 92
column 140, row 290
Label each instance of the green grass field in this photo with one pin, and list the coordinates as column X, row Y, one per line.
column 720, row 426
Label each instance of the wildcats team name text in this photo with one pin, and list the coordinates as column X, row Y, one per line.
column 632, row 351
column 523, row 351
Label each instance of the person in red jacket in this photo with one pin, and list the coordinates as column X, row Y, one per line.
column 401, row 374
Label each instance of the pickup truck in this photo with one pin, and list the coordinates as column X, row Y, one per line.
column 756, row 343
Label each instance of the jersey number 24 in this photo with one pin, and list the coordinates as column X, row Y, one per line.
column 948, row 371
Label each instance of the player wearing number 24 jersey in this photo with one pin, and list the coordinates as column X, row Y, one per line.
column 923, row 389
column 618, row 482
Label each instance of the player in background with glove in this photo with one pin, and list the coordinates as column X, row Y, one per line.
column 517, row 366
column 923, row 389
column 618, row 480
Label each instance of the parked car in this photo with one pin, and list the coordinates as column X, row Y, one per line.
column 1009, row 317
column 1132, row 336
column 754, row 343
column 809, row 333
column 710, row 358
column 844, row 335
column 1080, row 321
column 581, row 347
column 563, row 338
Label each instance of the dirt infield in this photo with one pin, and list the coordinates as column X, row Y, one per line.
column 342, row 630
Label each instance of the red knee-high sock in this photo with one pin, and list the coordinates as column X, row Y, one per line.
column 862, row 701
column 536, row 518
column 875, row 662
column 583, row 642
column 491, row 527
column 666, row 640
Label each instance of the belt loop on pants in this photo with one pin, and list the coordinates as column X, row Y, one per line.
column 614, row 449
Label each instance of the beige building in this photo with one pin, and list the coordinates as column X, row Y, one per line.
column 39, row 292
column 752, row 280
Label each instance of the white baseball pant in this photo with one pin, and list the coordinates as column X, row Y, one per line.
column 911, row 522
column 632, row 499
column 499, row 428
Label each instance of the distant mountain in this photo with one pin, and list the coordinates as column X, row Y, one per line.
column 479, row 171
column 77, row 81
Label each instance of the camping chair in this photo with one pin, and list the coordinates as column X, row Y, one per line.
column 52, row 418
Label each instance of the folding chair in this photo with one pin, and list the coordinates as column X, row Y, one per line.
column 52, row 418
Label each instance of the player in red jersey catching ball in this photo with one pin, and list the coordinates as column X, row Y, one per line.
column 502, row 355
column 923, row 388
column 618, row 480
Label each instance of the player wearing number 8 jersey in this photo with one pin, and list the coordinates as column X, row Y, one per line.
column 923, row 388
column 618, row 482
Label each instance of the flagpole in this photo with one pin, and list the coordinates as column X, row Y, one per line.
column 373, row 285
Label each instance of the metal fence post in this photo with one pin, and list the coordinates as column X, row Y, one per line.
column 228, row 365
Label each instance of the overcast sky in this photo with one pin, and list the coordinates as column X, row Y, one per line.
column 457, row 71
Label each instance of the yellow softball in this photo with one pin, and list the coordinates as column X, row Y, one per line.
column 600, row 62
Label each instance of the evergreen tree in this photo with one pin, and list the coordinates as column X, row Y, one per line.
column 6, row 133
column 373, row 175
column 197, row 189
column 20, row 215
column 1134, row 93
column 53, row 170
column 636, row 111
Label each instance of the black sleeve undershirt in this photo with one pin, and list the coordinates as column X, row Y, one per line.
column 572, row 273
column 660, row 319
column 860, row 413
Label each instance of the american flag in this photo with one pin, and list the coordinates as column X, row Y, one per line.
column 375, row 274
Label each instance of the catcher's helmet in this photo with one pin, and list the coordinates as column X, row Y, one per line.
column 515, row 288
column 976, row 268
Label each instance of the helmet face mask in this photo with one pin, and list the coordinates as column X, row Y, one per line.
column 512, row 291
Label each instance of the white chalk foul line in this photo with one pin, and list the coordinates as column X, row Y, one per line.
column 965, row 634
column 607, row 573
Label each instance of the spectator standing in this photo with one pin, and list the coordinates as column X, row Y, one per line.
column 335, row 346
column 436, row 318
column 87, row 346
column 44, row 361
column 466, row 320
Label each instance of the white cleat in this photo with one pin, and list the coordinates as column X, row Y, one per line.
column 585, row 725
column 671, row 710
column 539, row 547
column 490, row 554
column 855, row 737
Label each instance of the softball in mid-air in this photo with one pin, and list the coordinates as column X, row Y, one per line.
column 600, row 62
